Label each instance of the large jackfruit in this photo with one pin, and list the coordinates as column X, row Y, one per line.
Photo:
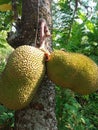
column 74, row 71
column 23, row 73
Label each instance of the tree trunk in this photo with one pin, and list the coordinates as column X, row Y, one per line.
column 40, row 114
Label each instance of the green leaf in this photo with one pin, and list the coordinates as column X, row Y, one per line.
column 90, row 26
column 81, row 15
column 10, row 114
column 2, row 109
column 4, row 1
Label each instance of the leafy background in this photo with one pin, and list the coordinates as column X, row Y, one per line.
column 75, row 29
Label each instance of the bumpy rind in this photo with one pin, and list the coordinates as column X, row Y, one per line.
column 21, row 77
column 74, row 71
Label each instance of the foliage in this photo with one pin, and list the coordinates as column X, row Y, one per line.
column 6, row 116
column 75, row 32
column 76, row 112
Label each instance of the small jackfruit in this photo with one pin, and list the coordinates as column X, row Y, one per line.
column 74, row 71
column 22, row 75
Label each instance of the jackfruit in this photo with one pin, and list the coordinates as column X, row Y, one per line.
column 74, row 71
column 22, row 75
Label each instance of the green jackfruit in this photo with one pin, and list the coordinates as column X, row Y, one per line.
column 74, row 71
column 22, row 75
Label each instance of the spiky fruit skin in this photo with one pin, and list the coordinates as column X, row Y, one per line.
column 21, row 77
column 74, row 71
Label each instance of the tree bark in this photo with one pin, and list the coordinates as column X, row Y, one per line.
column 40, row 113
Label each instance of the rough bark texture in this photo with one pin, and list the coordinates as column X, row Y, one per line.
column 40, row 114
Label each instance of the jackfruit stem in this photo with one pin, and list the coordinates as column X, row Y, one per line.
column 44, row 34
column 47, row 53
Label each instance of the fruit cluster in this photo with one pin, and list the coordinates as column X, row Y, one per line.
column 26, row 68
